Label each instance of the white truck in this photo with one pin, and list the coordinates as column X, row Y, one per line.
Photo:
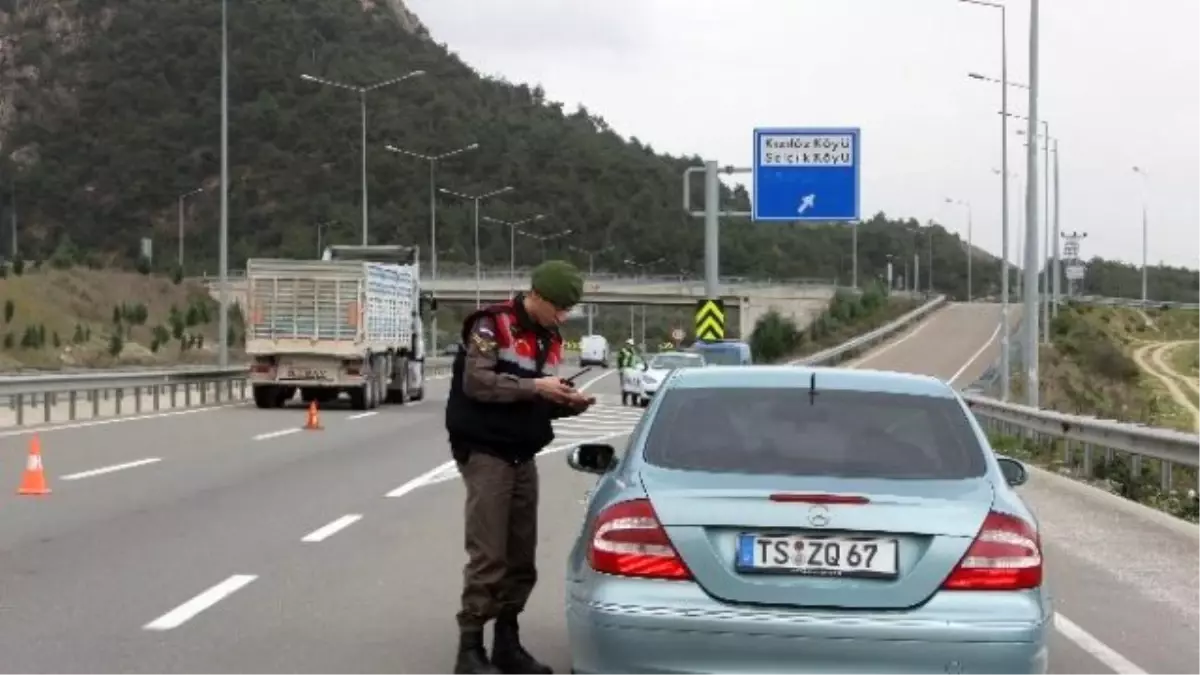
column 348, row 323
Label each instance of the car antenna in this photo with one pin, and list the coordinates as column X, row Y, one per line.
column 812, row 389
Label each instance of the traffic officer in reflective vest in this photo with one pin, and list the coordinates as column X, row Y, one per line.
column 504, row 393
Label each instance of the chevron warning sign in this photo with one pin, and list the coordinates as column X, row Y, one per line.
column 710, row 320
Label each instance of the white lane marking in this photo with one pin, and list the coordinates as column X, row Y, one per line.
column 449, row 470
column 326, row 531
column 587, row 385
column 974, row 357
column 1090, row 644
column 45, row 429
column 277, row 434
column 417, row 482
column 892, row 345
column 181, row 614
column 359, row 416
column 109, row 469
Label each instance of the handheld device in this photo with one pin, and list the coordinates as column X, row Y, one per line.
column 571, row 380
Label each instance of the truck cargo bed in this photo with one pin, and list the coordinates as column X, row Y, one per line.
column 334, row 307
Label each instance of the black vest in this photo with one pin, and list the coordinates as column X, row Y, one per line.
column 515, row 431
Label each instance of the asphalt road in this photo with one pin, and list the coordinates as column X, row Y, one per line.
column 192, row 557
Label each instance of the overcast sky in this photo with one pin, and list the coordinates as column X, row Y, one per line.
column 1120, row 86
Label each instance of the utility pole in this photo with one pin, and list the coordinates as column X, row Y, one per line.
column 1031, row 219
column 223, row 240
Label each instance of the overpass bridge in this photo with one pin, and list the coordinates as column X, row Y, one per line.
column 801, row 299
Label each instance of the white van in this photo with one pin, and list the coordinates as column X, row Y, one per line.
column 593, row 351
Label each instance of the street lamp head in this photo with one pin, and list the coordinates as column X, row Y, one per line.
column 976, row 76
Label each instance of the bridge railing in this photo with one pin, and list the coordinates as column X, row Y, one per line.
column 491, row 275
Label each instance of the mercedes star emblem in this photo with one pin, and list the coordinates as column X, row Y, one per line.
column 818, row 516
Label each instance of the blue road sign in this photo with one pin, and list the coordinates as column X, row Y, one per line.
column 806, row 174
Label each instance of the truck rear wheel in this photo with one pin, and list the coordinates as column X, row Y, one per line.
column 397, row 392
column 271, row 396
column 358, row 397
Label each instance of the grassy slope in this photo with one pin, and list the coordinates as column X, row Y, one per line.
column 60, row 300
column 1089, row 369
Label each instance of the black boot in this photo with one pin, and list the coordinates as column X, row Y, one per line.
column 472, row 657
column 507, row 653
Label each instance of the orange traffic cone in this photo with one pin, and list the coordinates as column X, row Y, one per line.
column 34, row 480
column 314, row 418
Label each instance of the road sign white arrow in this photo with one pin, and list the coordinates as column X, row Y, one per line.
column 807, row 203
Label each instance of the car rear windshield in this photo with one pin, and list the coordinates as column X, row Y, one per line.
column 667, row 362
column 840, row 433
column 722, row 356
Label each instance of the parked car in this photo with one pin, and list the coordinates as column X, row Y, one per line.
column 792, row 519
column 659, row 367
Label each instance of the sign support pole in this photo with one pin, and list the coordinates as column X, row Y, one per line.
column 712, row 235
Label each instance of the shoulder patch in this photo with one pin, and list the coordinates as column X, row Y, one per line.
column 483, row 343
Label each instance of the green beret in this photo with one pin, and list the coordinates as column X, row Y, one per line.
column 559, row 282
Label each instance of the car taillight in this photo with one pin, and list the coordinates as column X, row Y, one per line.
column 1005, row 556
column 629, row 541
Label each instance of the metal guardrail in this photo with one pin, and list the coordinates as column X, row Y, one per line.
column 74, row 397
column 1085, row 440
column 1130, row 302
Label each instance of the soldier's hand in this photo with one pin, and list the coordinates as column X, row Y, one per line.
column 580, row 401
column 553, row 388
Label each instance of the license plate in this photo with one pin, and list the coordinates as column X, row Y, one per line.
column 818, row 556
column 306, row 374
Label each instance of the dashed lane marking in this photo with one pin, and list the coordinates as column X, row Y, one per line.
column 183, row 613
column 277, row 434
column 328, row 530
column 110, row 469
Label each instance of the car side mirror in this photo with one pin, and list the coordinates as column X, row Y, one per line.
column 1015, row 472
column 598, row 458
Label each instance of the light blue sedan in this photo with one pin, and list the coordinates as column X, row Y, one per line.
column 785, row 520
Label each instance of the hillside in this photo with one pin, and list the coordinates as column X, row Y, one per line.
column 82, row 318
column 109, row 111
column 1102, row 361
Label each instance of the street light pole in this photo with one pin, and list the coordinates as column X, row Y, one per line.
column 477, row 199
column 362, row 100
column 1057, row 285
column 512, row 245
column 1005, row 366
column 433, row 161
column 1045, row 261
column 182, row 197
column 1145, row 230
column 223, row 237
column 591, row 256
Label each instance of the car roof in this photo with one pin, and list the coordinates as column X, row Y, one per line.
column 845, row 379
column 688, row 355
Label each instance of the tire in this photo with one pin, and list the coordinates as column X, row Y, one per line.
column 358, row 397
column 399, row 395
column 265, row 396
